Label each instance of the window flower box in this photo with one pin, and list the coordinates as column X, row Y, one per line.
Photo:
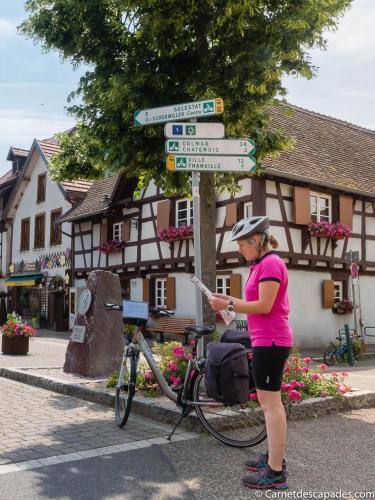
column 112, row 246
column 325, row 229
column 173, row 233
column 344, row 306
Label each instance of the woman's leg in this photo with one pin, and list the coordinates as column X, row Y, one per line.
column 274, row 413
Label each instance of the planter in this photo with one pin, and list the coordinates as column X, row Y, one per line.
column 189, row 237
column 14, row 345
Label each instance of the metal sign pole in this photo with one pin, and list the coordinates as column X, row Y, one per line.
column 197, row 252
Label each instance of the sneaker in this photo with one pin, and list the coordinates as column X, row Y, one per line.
column 266, row 480
column 260, row 462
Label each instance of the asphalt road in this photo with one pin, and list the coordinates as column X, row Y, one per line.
column 326, row 455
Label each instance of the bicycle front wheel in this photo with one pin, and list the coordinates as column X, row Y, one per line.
column 125, row 389
column 239, row 426
column 330, row 357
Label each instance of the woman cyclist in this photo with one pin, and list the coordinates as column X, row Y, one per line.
column 267, row 308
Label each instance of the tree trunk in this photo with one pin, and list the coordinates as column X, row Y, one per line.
column 208, row 239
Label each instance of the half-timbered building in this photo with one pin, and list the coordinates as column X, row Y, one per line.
column 329, row 175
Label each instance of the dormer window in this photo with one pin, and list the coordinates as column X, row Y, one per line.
column 41, row 194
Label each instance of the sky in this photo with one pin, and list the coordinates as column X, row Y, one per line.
column 34, row 85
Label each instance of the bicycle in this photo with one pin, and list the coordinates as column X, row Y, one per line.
column 238, row 426
column 337, row 352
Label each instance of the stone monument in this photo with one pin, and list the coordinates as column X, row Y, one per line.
column 96, row 344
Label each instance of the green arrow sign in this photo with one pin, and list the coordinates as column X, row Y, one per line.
column 211, row 163
column 230, row 147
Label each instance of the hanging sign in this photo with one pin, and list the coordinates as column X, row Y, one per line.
column 211, row 163
column 184, row 111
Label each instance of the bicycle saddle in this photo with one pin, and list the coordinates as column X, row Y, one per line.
column 200, row 331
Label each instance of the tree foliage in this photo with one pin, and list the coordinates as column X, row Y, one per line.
column 151, row 53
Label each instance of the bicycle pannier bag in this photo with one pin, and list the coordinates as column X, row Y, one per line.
column 227, row 373
column 237, row 336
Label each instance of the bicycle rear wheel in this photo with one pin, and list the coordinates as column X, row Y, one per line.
column 125, row 389
column 330, row 356
column 239, row 426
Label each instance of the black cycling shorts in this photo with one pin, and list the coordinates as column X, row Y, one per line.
column 268, row 366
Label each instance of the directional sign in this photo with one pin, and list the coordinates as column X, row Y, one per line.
column 194, row 130
column 211, row 163
column 242, row 147
column 184, row 111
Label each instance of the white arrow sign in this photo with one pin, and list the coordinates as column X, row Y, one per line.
column 211, row 163
column 235, row 147
column 194, row 130
column 184, row 111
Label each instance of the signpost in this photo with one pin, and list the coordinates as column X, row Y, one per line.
column 186, row 111
column 194, row 130
column 352, row 258
column 211, row 163
column 229, row 147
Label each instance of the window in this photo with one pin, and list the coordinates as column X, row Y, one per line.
column 41, row 195
column 184, row 213
column 55, row 232
column 248, row 209
column 39, row 231
column 161, row 292
column 223, row 285
column 320, row 206
column 117, row 231
column 338, row 290
column 25, row 235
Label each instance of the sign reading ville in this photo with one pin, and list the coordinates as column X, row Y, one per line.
column 211, row 163
column 185, row 111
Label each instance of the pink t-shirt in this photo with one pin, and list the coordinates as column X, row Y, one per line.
column 272, row 327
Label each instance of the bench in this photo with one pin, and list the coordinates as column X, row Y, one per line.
column 171, row 325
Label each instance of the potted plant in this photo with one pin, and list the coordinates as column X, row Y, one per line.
column 172, row 233
column 325, row 229
column 15, row 335
column 344, row 306
column 112, row 246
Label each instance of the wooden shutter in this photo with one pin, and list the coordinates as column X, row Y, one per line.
column 103, row 232
column 163, row 214
column 146, row 290
column 125, row 230
column 171, row 293
column 235, row 286
column 230, row 214
column 328, row 294
column 42, row 230
column 301, row 205
column 346, row 210
column 258, row 195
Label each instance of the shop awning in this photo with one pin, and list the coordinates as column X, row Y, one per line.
column 23, row 279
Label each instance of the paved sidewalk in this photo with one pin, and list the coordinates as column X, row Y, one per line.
column 39, row 427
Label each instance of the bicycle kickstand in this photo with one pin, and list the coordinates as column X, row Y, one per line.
column 185, row 413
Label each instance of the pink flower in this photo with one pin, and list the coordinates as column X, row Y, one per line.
column 178, row 352
column 148, row 375
column 286, row 387
column 297, row 369
column 301, row 384
column 177, row 380
column 323, row 367
column 293, row 383
column 172, row 366
column 315, row 376
column 192, row 343
column 305, row 369
column 294, row 396
column 344, row 374
column 342, row 389
column 172, row 379
column 188, row 356
column 334, row 374
column 307, row 360
column 253, row 396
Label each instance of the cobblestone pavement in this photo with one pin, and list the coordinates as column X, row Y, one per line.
column 39, row 427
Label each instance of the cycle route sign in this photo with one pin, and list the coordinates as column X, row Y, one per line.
column 185, row 111
column 211, row 163
column 229, row 147
column 194, row 130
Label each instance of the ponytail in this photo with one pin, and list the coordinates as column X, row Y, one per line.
column 270, row 240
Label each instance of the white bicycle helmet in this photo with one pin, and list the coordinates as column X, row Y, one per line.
column 247, row 227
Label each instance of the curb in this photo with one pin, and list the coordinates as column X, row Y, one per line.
column 169, row 413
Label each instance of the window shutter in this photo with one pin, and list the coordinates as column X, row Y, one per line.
column 301, row 205
column 163, row 214
column 171, row 293
column 346, row 210
column 125, row 230
column 328, row 294
column 235, row 286
column 258, row 195
column 230, row 214
column 146, row 290
column 103, row 232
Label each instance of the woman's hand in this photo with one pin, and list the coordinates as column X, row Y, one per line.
column 217, row 302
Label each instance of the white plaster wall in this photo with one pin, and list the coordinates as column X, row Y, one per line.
column 146, row 211
column 83, row 226
column 273, row 209
column 79, row 262
column 28, row 207
column 148, row 230
column 279, row 234
column 220, row 216
column 296, row 240
column 150, row 190
column 96, row 235
column 95, row 258
column 357, row 224
column 270, row 187
column 358, row 205
column 114, row 259
column 149, row 251
column 245, row 185
column 370, row 226
column 136, row 289
column 370, row 250
column 130, row 254
column 367, row 294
